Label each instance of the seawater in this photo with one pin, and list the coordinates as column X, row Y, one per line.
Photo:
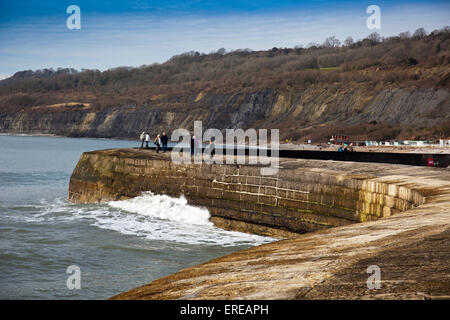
column 117, row 245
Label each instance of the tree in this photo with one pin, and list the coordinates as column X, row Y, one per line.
column 349, row 41
column 374, row 37
column 221, row 51
column 313, row 45
column 331, row 42
column 404, row 35
column 420, row 33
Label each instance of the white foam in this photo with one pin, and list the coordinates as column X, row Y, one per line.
column 165, row 208
column 160, row 217
column 154, row 217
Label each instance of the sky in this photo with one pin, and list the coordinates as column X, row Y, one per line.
column 34, row 34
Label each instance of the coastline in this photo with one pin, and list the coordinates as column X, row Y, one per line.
column 283, row 145
column 51, row 135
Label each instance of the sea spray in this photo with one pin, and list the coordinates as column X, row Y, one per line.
column 160, row 217
column 154, row 217
column 165, row 208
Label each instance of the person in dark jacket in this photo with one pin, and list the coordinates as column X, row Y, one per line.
column 164, row 140
column 192, row 145
column 212, row 148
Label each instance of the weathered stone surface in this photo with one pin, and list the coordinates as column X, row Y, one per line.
column 298, row 199
column 411, row 249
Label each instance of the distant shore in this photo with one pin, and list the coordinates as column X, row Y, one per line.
column 31, row 135
column 284, row 145
column 50, row 135
column 391, row 149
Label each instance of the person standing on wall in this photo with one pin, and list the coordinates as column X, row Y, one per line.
column 212, row 148
column 192, row 145
column 157, row 142
column 195, row 145
column 147, row 140
column 142, row 137
column 164, row 140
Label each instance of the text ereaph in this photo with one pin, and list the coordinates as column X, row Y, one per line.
column 230, row 309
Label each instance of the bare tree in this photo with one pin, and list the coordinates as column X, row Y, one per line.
column 374, row 37
column 331, row 42
column 221, row 51
column 420, row 33
column 313, row 45
column 404, row 35
column 349, row 41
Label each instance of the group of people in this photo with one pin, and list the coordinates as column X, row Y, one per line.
column 160, row 141
column 346, row 149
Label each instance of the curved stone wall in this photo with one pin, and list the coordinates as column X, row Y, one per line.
column 298, row 199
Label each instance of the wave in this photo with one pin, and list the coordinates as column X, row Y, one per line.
column 165, row 208
column 150, row 216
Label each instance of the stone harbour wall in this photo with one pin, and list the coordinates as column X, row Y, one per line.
column 299, row 198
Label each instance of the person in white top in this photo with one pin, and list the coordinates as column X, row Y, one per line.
column 157, row 142
column 142, row 137
column 147, row 140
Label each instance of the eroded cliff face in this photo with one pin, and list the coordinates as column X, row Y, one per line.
column 314, row 107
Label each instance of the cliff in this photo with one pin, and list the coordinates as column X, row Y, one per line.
column 375, row 88
column 315, row 112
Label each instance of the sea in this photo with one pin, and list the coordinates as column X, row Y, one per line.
column 53, row 249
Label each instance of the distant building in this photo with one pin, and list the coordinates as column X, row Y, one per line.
column 339, row 139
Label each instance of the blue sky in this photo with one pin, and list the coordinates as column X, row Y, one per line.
column 33, row 34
